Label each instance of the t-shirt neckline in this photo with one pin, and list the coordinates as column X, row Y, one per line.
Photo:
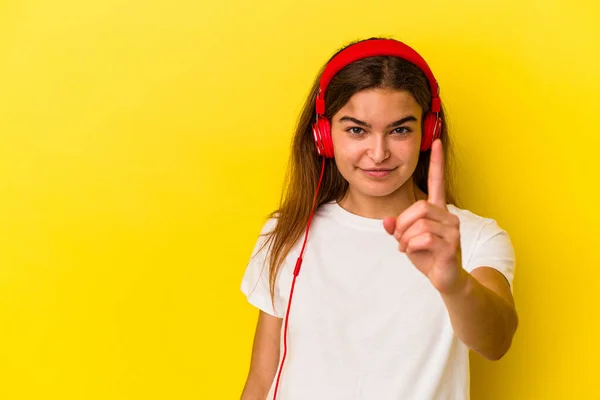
column 336, row 211
column 339, row 213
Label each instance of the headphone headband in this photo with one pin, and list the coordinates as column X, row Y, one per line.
column 372, row 48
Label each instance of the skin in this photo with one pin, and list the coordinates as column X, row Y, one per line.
column 376, row 138
column 366, row 136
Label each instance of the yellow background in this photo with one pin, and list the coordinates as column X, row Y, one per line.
column 142, row 142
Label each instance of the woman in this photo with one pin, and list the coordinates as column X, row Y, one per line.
column 397, row 283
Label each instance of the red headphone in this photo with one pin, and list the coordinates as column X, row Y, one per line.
column 432, row 128
column 432, row 125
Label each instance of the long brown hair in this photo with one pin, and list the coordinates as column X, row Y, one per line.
column 304, row 167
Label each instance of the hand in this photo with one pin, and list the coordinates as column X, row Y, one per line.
column 429, row 234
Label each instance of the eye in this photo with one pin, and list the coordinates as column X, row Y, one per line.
column 355, row 130
column 402, row 130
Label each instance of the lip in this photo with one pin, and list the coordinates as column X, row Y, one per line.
column 378, row 172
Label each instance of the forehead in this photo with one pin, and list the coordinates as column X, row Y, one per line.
column 382, row 102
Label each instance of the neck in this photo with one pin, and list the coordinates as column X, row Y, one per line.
column 380, row 207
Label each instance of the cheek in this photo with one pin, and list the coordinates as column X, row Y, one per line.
column 347, row 152
column 408, row 149
column 405, row 151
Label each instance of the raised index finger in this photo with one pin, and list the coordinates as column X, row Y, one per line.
column 435, row 180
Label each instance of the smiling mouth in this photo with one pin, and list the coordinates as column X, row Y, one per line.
column 378, row 172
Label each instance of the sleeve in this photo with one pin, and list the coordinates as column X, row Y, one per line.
column 255, row 282
column 493, row 248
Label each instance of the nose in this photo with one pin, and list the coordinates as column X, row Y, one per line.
column 378, row 148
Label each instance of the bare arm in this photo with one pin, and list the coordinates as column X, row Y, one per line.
column 480, row 304
column 483, row 313
column 265, row 357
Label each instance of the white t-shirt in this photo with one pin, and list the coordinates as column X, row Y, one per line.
column 365, row 324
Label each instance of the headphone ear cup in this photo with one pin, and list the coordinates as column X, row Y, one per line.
column 322, row 136
column 432, row 129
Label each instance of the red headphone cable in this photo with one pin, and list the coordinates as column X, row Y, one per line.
column 296, row 272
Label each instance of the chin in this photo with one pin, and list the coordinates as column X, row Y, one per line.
column 379, row 189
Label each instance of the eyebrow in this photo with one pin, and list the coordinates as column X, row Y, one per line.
column 392, row 125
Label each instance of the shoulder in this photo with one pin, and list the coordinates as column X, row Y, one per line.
column 262, row 239
column 485, row 243
column 269, row 225
column 468, row 219
column 476, row 228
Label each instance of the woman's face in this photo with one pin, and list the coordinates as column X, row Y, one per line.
column 376, row 140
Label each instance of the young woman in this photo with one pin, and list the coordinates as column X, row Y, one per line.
column 371, row 283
